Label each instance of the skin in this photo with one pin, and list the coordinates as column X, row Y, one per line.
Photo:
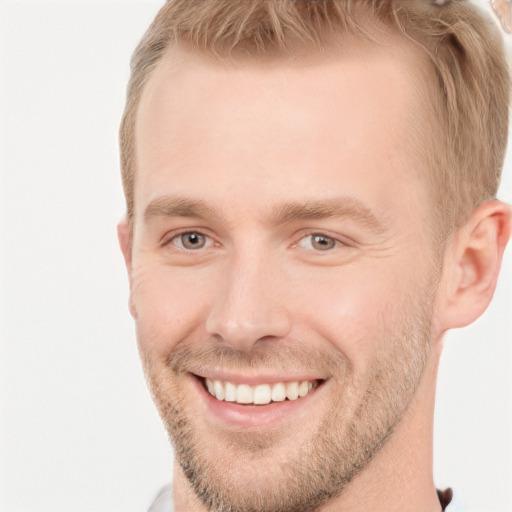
column 222, row 152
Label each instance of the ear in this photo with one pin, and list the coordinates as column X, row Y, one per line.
column 124, row 235
column 472, row 264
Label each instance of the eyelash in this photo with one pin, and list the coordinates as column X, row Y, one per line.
column 175, row 236
column 337, row 242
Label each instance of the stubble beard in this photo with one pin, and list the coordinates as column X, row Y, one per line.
column 320, row 467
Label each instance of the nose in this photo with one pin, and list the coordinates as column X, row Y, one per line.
column 250, row 306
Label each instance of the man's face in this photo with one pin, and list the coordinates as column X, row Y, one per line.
column 280, row 248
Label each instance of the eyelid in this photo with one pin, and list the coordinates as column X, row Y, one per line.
column 169, row 236
column 339, row 239
column 308, row 242
column 172, row 235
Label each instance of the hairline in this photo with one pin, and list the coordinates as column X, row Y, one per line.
column 302, row 57
column 460, row 85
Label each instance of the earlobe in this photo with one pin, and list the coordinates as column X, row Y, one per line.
column 472, row 264
column 124, row 236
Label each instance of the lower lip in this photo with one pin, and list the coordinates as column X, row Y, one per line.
column 232, row 414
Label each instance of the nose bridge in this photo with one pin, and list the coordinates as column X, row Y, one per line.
column 247, row 307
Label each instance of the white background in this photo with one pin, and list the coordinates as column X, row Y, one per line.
column 78, row 431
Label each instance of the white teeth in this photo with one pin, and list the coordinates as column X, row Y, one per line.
column 278, row 392
column 229, row 392
column 244, row 394
column 218, row 388
column 292, row 390
column 303, row 388
column 261, row 394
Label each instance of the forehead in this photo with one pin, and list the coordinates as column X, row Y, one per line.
column 280, row 127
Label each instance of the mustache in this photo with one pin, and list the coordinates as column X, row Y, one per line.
column 273, row 356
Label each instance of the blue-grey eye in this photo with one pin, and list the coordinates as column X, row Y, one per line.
column 318, row 242
column 322, row 243
column 191, row 241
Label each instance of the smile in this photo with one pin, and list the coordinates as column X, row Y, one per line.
column 261, row 394
column 237, row 402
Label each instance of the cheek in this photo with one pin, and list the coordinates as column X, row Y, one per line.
column 168, row 304
column 354, row 311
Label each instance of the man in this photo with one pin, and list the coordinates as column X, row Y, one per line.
column 311, row 205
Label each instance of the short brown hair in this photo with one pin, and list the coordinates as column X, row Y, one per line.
column 468, row 134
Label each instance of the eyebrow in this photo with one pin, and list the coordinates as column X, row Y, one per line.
column 337, row 207
column 173, row 206
column 349, row 207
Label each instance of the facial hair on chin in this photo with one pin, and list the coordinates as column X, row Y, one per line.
column 243, row 474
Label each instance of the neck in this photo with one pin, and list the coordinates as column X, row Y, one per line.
column 400, row 476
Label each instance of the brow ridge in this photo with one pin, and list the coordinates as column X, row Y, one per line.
column 343, row 206
column 177, row 206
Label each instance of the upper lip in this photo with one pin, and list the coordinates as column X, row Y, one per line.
column 255, row 379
